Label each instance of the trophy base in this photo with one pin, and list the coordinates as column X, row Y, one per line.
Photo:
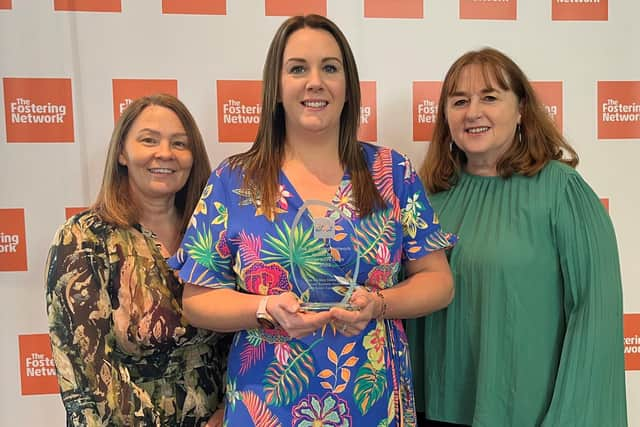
column 325, row 306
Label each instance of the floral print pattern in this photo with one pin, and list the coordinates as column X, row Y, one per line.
column 325, row 378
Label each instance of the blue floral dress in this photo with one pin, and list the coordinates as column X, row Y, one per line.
column 325, row 378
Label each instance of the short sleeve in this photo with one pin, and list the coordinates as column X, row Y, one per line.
column 590, row 384
column 204, row 256
column 422, row 233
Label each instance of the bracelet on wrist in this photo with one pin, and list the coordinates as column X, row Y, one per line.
column 383, row 309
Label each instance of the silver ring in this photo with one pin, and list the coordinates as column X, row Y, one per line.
column 344, row 328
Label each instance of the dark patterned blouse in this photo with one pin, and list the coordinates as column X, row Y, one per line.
column 124, row 354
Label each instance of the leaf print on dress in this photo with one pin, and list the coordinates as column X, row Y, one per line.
column 258, row 410
column 252, row 351
column 284, row 383
column 200, row 249
column 298, row 250
column 341, row 371
column 382, row 173
column 201, row 207
column 375, row 230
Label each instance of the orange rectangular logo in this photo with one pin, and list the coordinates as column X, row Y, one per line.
column 195, row 7
column 394, row 9
column 5, row 4
column 425, row 108
column 632, row 342
column 71, row 211
column 297, row 7
column 13, row 244
column 618, row 110
column 605, row 203
column 489, row 9
column 125, row 91
column 37, row 369
column 368, row 130
column 571, row 10
column 550, row 95
column 38, row 110
column 88, row 5
column 239, row 107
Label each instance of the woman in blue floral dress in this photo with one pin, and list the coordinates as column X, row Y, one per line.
column 245, row 255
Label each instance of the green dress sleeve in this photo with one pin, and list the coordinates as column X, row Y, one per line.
column 590, row 384
column 79, row 314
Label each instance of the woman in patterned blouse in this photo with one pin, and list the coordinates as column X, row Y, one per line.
column 248, row 261
column 124, row 353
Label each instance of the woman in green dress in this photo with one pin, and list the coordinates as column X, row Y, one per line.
column 534, row 334
column 124, row 354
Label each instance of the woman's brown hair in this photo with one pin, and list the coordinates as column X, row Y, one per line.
column 114, row 203
column 262, row 162
column 536, row 141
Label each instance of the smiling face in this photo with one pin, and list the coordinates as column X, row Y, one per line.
column 157, row 154
column 482, row 118
column 312, row 82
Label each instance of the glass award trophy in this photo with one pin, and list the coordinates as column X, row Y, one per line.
column 318, row 290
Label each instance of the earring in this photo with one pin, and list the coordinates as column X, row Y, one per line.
column 519, row 132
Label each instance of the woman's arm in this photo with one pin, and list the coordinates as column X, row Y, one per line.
column 227, row 310
column 79, row 313
column 427, row 288
column 589, row 388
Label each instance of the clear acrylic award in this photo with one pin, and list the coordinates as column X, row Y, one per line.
column 320, row 292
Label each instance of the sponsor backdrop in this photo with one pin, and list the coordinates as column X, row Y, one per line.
column 69, row 67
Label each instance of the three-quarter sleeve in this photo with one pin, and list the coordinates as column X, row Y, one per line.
column 79, row 314
column 590, row 384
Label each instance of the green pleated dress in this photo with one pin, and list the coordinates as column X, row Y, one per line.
column 533, row 336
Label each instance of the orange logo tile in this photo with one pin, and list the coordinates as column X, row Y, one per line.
column 195, row 7
column 37, row 369
column 13, row 244
column 368, row 113
column 571, row 10
column 297, row 7
column 88, row 5
column 125, row 91
column 632, row 342
column 550, row 95
column 394, row 9
column 425, row 108
column 618, row 110
column 69, row 212
column 5, row 4
column 489, row 9
column 605, row 203
column 239, row 107
column 38, row 110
